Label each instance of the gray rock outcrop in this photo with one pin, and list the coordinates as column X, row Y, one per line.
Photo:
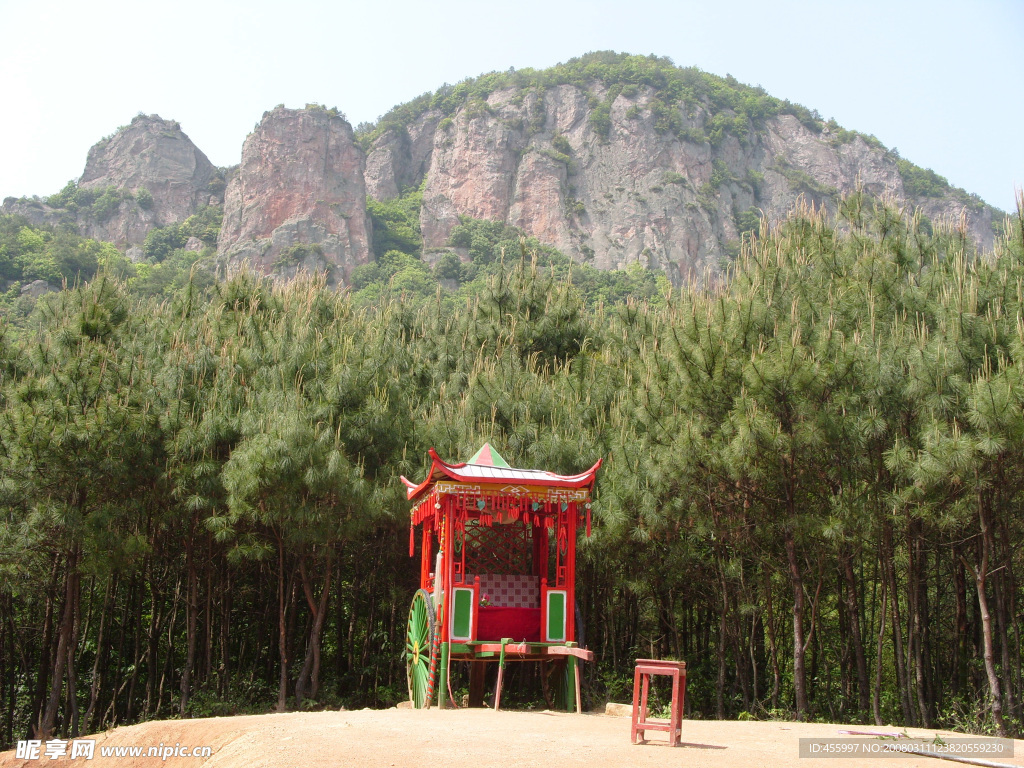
column 535, row 160
column 147, row 174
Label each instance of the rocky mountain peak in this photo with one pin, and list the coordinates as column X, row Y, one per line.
column 298, row 200
column 146, row 174
column 152, row 154
column 617, row 159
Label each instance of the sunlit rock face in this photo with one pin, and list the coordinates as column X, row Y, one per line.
column 630, row 194
column 298, row 199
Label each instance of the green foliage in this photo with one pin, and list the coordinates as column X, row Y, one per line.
column 491, row 248
column 204, row 225
column 99, row 203
column 488, row 242
column 247, row 697
column 600, row 119
column 30, row 253
column 666, row 117
column 69, row 196
column 748, row 221
column 407, row 269
column 921, row 182
column 166, row 279
column 108, row 203
column 720, row 174
column 396, row 223
column 162, row 242
column 755, row 180
column 298, row 253
column 558, row 157
column 144, row 198
column 842, row 136
column 449, row 267
column 218, row 183
column 330, row 112
column 721, row 124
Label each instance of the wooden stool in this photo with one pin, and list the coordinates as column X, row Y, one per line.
column 644, row 669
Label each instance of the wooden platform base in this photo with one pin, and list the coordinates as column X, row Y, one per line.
column 517, row 651
column 506, row 650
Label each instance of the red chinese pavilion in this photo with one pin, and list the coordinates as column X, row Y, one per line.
column 497, row 573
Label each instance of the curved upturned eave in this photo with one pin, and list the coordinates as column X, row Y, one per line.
column 535, row 477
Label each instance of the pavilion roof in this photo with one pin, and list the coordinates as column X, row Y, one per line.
column 487, row 465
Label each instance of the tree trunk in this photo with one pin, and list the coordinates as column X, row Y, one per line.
column 8, row 671
column 1002, row 622
column 137, row 653
column 772, row 644
column 799, row 643
column 756, row 649
column 168, row 669
column 961, row 628
column 67, row 625
column 8, row 652
column 980, row 581
column 876, row 698
column 282, row 631
column 724, row 611
column 208, row 625
column 39, row 699
column 102, row 653
column 897, row 627
column 917, row 590
column 353, row 618
column 71, row 718
column 153, row 641
column 310, row 674
column 224, row 670
column 191, row 609
column 853, row 616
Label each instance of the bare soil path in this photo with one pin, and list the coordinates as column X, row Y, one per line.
column 476, row 738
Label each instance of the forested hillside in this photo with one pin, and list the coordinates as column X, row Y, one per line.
column 811, row 492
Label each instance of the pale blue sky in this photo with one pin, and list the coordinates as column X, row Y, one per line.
column 940, row 81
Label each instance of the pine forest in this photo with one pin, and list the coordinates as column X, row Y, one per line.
column 812, row 489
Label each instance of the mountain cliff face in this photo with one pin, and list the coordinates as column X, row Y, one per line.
column 155, row 155
column 148, row 174
column 298, row 200
column 613, row 159
column 623, row 189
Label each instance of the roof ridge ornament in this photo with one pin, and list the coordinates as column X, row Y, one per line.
column 488, row 457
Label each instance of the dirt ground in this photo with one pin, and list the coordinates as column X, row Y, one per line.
column 477, row 738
